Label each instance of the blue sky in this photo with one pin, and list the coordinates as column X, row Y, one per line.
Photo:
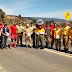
column 37, row 8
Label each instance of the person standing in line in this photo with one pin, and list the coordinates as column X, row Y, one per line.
column 53, row 28
column 47, row 34
column 70, row 35
column 66, row 33
column 5, row 34
column 57, row 36
column 13, row 32
column 1, row 25
column 28, row 33
column 40, row 31
column 33, row 28
column 20, row 29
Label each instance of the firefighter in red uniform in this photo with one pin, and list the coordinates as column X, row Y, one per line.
column 0, row 33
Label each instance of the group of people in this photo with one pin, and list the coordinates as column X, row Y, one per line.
column 33, row 34
column 55, row 34
column 17, row 32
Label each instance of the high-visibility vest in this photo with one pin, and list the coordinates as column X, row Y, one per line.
column 20, row 29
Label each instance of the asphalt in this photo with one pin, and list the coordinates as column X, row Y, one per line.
column 23, row 59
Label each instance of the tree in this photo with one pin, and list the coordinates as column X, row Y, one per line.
column 19, row 16
column 46, row 22
column 2, row 14
column 34, row 20
column 71, row 21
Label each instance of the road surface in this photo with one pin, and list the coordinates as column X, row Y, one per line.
column 23, row 59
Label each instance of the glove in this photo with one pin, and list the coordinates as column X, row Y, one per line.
column 37, row 33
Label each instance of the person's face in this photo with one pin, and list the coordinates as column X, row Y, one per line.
column 14, row 24
column 40, row 26
column 31, row 24
column 0, row 22
column 65, row 24
column 5, row 26
column 55, row 25
column 19, row 24
column 47, row 25
column 51, row 23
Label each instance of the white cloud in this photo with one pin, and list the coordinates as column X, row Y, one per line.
column 25, row 7
column 57, row 14
column 6, row 10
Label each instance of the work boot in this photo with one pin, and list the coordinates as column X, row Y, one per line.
column 10, row 47
column 26, row 46
column 42, row 48
column 51, row 47
column 17, row 45
column 14, row 46
column 33, row 46
column 36, row 47
column 47, row 47
column 1, row 48
column 30, row 46
column 21, row 45
column 66, row 51
column 57, row 48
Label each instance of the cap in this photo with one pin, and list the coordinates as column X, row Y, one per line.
column 40, row 22
column 5, row 23
column 27, row 24
column 47, row 23
column 31, row 23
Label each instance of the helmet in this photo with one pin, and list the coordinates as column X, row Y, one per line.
column 40, row 22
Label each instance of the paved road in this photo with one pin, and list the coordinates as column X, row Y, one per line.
column 33, row 60
column 23, row 59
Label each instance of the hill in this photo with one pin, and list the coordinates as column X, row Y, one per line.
column 46, row 19
column 50, row 19
column 31, row 18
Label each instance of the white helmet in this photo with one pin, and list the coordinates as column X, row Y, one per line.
column 27, row 24
column 40, row 22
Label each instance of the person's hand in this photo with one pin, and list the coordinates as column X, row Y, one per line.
column 48, row 35
column 45, row 33
column 37, row 33
column 5, row 34
column 71, row 38
column 60, row 37
column 25, row 34
column 10, row 33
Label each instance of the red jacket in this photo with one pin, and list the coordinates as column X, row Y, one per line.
column 1, row 27
column 52, row 29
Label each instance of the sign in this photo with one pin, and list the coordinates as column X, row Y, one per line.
column 67, row 15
